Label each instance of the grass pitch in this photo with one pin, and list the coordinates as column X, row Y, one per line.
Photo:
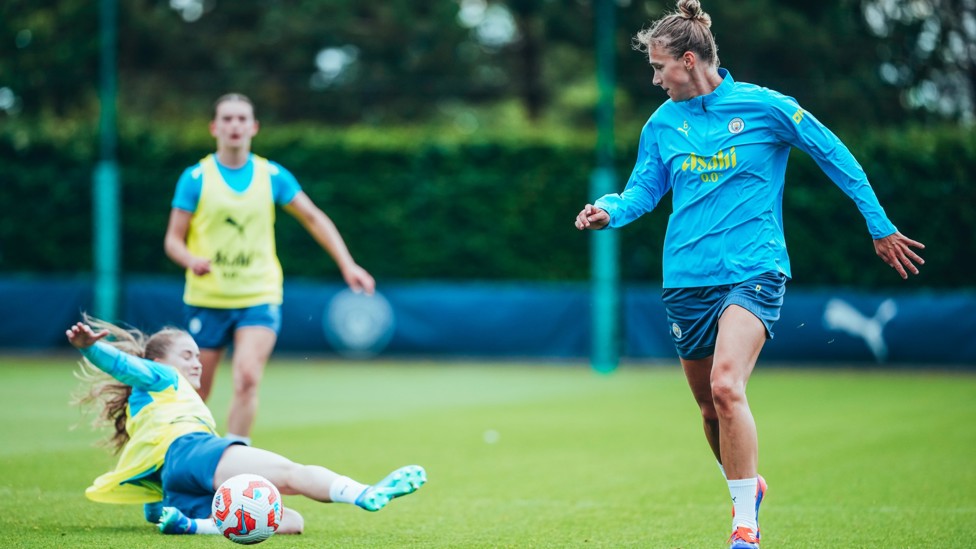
column 529, row 455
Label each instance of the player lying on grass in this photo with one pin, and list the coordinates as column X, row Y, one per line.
column 170, row 457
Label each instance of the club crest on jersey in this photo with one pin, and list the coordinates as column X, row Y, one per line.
column 736, row 125
column 676, row 330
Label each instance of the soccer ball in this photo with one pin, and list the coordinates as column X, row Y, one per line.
column 247, row 509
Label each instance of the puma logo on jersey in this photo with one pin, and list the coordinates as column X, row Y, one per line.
column 233, row 223
column 685, row 128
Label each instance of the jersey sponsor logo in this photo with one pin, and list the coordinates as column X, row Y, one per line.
column 736, row 125
column 798, row 116
column 709, row 167
column 719, row 161
column 241, row 260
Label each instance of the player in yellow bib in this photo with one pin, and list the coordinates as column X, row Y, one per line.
column 170, row 458
column 221, row 230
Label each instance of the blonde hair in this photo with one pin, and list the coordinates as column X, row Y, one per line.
column 686, row 29
column 106, row 394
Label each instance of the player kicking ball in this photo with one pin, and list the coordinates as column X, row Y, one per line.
column 720, row 147
column 170, row 456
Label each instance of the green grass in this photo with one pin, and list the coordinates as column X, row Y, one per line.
column 853, row 459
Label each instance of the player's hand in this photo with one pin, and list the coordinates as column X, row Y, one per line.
column 200, row 266
column 82, row 336
column 896, row 250
column 592, row 217
column 358, row 280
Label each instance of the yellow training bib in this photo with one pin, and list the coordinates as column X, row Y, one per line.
column 235, row 230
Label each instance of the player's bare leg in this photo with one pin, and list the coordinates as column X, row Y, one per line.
column 317, row 482
column 210, row 360
column 311, row 481
column 287, row 476
column 741, row 337
column 699, row 375
column 252, row 349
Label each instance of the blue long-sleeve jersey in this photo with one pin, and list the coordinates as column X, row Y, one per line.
column 724, row 155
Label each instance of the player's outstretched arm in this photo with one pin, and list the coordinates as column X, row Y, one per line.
column 896, row 250
column 324, row 231
column 81, row 336
column 591, row 217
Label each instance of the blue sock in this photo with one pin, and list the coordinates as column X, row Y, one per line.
column 153, row 511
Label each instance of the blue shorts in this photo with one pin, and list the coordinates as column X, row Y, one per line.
column 214, row 328
column 693, row 313
column 188, row 472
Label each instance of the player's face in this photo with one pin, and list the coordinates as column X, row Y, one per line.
column 671, row 74
column 234, row 125
column 184, row 355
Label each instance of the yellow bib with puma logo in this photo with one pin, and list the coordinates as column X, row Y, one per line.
column 235, row 230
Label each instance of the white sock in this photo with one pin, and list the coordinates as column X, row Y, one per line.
column 205, row 526
column 345, row 490
column 743, row 494
column 721, row 468
column 240, row 438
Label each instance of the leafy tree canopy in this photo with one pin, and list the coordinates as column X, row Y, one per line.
column 468, row 63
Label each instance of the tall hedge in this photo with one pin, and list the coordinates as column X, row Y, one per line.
column 418, row 204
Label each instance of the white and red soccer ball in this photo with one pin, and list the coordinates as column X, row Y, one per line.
column 247, row 509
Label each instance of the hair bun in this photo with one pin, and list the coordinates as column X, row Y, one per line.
column 691, row 9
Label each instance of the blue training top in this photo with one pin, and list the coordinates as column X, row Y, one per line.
column 284, row 186
column 724, row 154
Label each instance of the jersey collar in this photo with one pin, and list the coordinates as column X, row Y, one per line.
column 702, row 102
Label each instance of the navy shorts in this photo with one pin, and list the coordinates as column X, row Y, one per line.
column 214, row 328
column 188, row 472
column 693, row 313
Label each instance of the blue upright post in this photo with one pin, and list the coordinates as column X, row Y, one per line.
column 105, row 188
column 604, row 264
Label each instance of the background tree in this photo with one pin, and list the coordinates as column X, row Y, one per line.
column 470, row 63
column 48, row 57
column 929, row 52
column 818, row 52
column 442, row 109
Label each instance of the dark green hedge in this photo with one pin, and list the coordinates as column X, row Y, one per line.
column 415, row 204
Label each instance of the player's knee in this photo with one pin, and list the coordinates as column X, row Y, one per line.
column 246, row 380
column 726, row 394
column 286, row 475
